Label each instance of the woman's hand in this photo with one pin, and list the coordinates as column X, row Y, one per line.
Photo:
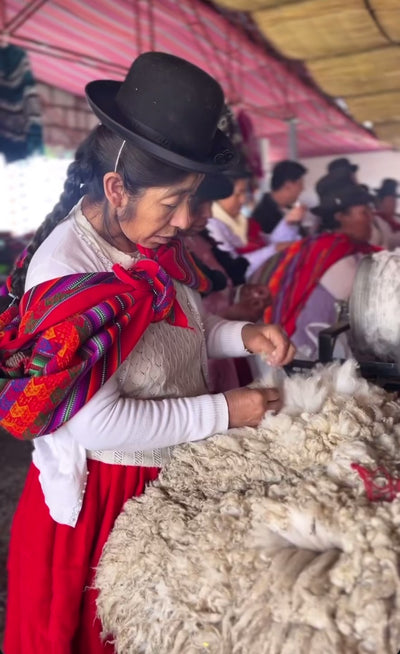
column 255, row 292
column 269, row 340
column 247, row 406
column 253, row 299
column 296, row 214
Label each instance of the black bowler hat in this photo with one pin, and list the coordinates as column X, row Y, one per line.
column 333, row 180
column 342, row 197
column 169, row 108
column 239, row 170
column 342, row 163
column 214, row 187
column 387, row 187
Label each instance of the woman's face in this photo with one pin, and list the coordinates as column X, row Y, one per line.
column 201, row 212
column 159, row 214
column 233, row 204
column 356, row 222
column 387, row 205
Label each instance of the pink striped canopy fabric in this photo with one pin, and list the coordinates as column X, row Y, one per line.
column 74, row 41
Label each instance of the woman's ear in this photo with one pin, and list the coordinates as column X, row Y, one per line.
column 114, row 190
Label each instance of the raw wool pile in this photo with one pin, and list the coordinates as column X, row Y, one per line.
column 262, row 541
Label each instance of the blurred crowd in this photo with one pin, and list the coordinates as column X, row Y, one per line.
column 273, row 257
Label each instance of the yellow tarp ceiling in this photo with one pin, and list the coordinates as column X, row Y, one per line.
column 350, row 47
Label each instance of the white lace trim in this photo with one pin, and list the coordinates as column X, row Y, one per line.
column 152, row 459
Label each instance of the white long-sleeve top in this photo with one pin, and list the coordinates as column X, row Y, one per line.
column 157, row 399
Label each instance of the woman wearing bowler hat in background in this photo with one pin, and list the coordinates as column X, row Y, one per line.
column 385, row 218
column 230, row 296
column 313, row 278
column 103, row 350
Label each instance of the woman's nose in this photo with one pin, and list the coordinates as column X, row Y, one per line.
column 182, row 218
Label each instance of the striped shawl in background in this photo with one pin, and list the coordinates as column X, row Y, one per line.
column 293, row 274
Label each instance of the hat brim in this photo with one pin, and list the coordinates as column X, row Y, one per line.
column 330, row 209
column 101, row 98
column 239, row 174
column 214, row 187
column 378, row 192
column 321, row 211
column 352, row 167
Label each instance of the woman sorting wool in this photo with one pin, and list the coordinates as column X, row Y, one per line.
column 230, row 297
column 104, row 347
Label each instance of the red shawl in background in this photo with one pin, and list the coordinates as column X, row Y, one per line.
column 293, row 274
column 67, row 336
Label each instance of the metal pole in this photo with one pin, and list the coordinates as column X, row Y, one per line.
column 152, row 34
column 292, row 127
column 139, row 40
column 3, row 19
column 265, row 162
column 22, row 16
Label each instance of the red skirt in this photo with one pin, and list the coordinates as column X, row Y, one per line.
column 51, row 605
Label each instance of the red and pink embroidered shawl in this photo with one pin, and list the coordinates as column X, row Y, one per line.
column 67, row 336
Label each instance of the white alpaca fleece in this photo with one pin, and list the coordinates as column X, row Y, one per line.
column 262, row 541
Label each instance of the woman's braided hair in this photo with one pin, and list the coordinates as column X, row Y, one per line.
column 93, row 159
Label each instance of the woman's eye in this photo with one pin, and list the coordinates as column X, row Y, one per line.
column 171, row 206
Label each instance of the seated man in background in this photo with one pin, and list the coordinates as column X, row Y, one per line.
column 278, row 207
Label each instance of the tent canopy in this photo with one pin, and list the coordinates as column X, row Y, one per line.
column 71, row 42
column 350, row 47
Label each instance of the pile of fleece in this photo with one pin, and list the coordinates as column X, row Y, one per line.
column 264, row 541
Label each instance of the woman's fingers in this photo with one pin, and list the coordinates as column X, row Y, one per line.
column 290, row 355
